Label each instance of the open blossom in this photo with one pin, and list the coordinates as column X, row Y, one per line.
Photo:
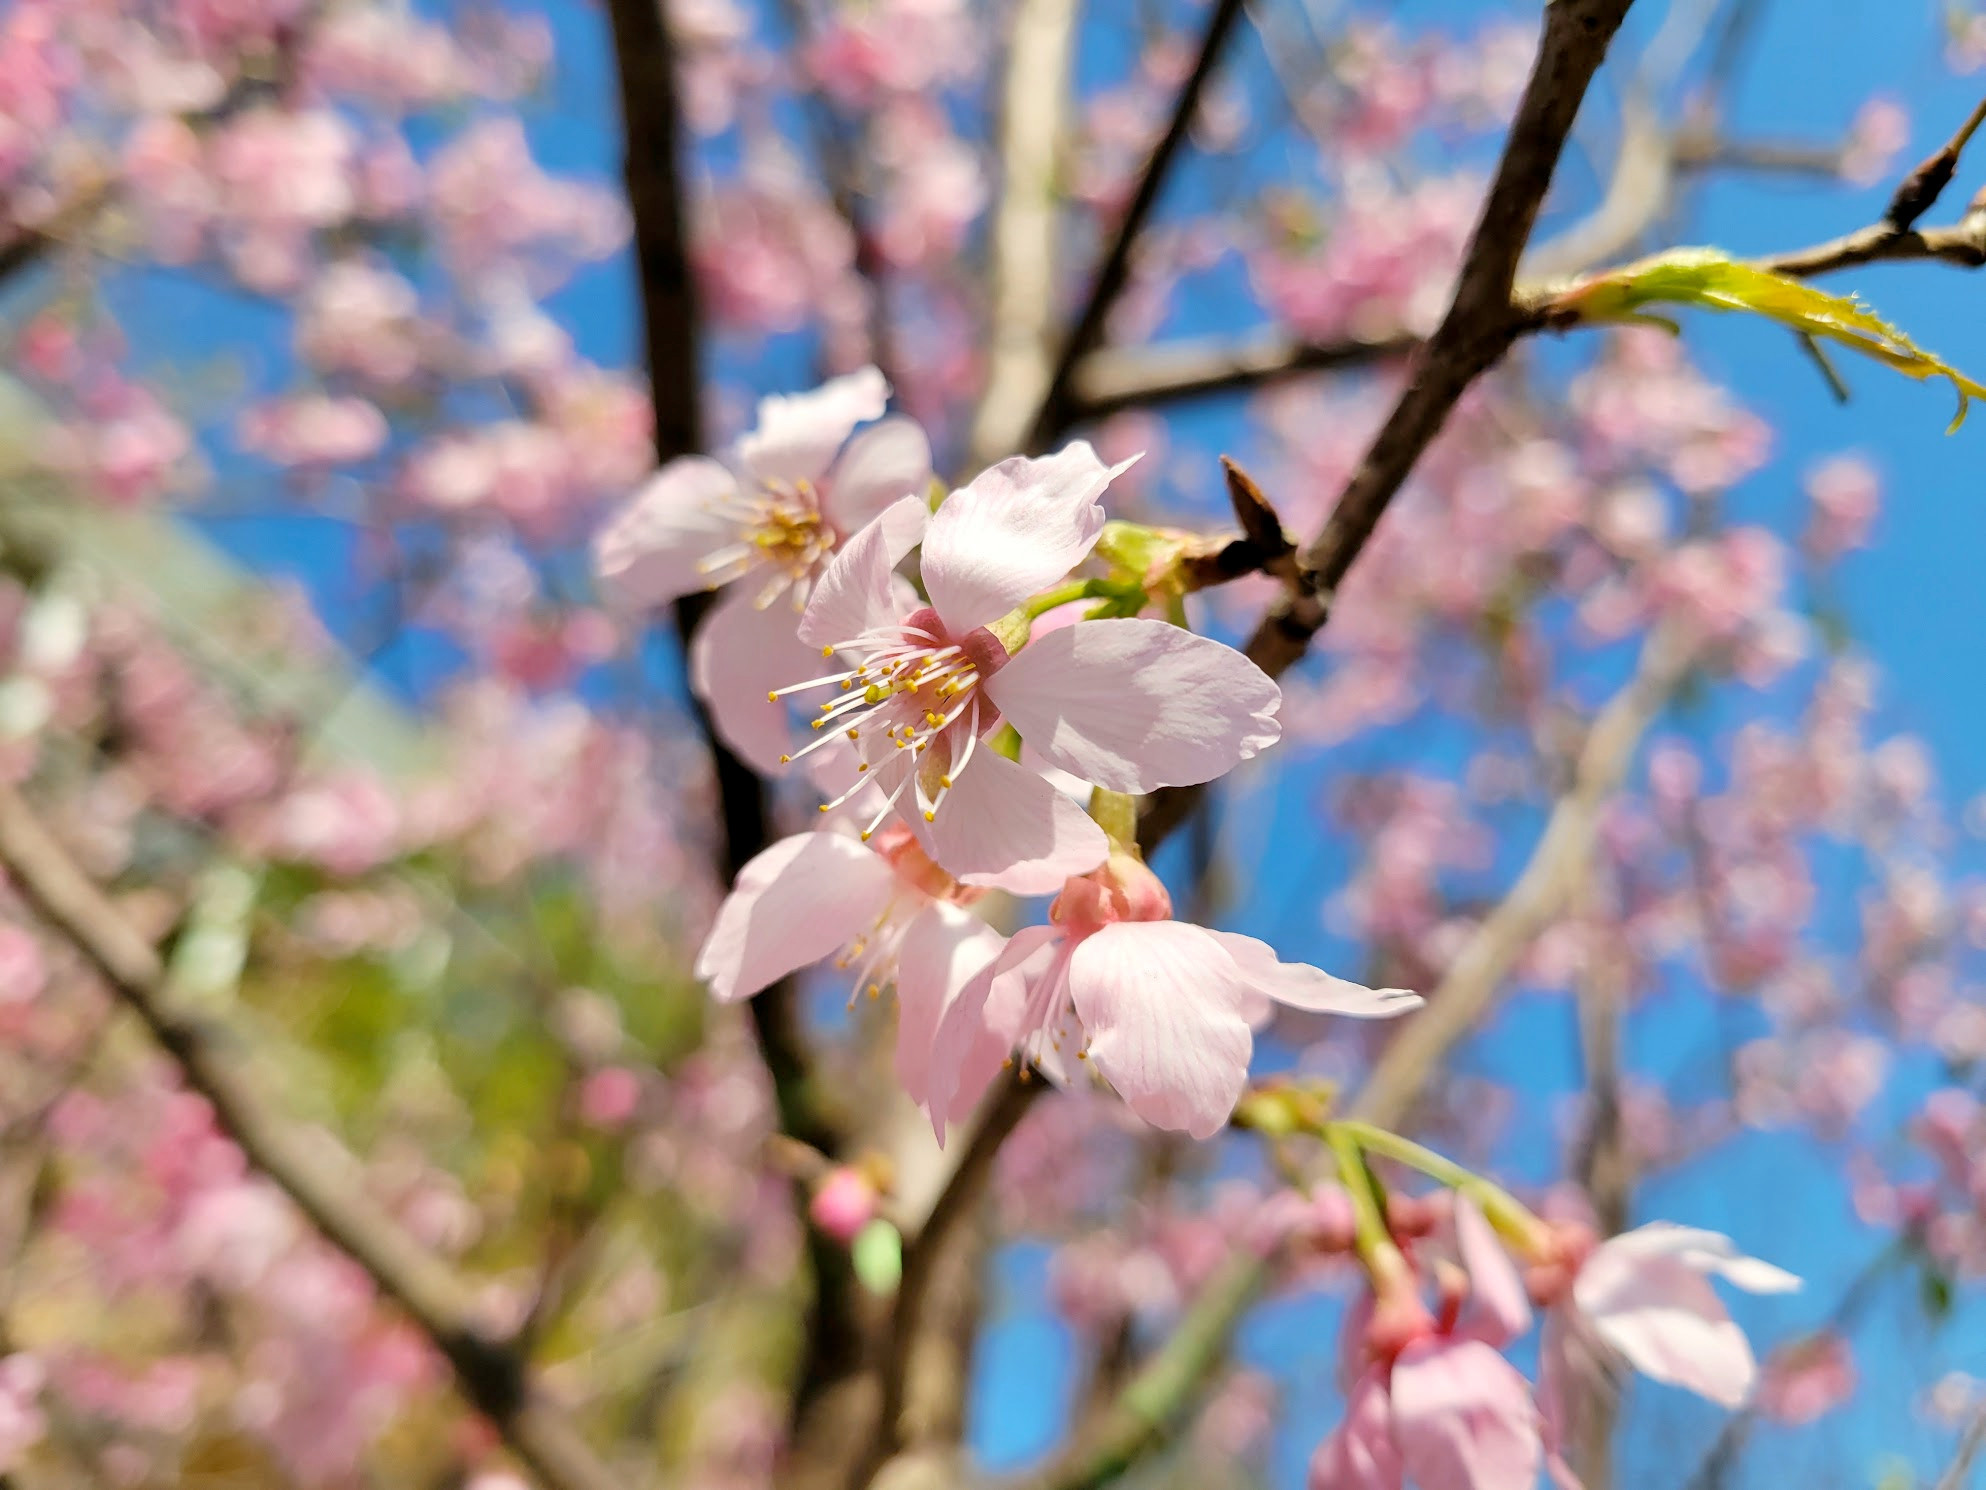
column 766, row 525
column 1646, row 1296
column 1163, row 1010
column 1129, row 705
column 882, row 909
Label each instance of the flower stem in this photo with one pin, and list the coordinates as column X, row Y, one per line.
column 1513, row 1220
column 1375, row 1244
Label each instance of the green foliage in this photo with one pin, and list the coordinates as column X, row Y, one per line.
column 1710, row 279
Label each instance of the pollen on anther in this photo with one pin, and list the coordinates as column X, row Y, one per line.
column 854, row 734
column 930, row 815
column 772, row 695
column 861, row 768
column 875, row 990
column 865, row 835
column 786, row 760
column 944, row 781
column 827, row 651
column 825, row 807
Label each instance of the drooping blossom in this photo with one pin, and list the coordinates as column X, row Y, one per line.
column 881, row 908
column 1128, row 705
column 1162, row 1009
column 766, row 525
column 1434, row 1400
column 1646, row 1296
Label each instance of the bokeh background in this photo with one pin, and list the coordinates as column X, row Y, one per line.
column 325, row 359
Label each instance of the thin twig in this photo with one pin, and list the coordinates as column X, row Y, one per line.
column 306, row 1166
column 1963, row 1458
column 1114, row 268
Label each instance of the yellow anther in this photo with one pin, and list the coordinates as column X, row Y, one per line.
column 786, row 760
column 930, row 815
column 772, row 695
column 827, row 651
column 854, row 734
column 945, row 782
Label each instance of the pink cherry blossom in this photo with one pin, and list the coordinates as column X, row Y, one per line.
column 1129, row 705
column 1646, row 1296
column 1162, row 1009
column 1449, row 1412
column 767, row 525
column 313, row 430
column 881, row 908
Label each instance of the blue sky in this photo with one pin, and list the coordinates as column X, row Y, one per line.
column 1915, row 602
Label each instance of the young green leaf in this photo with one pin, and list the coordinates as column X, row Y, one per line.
column 1712, row 280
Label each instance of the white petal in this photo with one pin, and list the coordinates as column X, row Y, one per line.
column 1003, row 826
column 796, row 902
column 739, row 654
column 1666, row 1319
column 1706, row 1251
column 648, row 552
column 798, row 433
column 944, row 948
column 1135, row 705
column 1018, row 528
column 988, row 1017
column 1302, row 986
column 885, row 463
column 1161, row 1002
column 859, row 591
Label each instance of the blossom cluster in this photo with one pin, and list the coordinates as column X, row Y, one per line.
column 971, row 714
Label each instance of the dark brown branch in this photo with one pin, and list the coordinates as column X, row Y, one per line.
column 1918, row 192
column 306, row 1166
column 1114, row 268
column 645, row 64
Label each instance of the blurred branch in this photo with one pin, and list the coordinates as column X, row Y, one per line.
column 306, row 1165
column 839, row 165
column 1000, row 1114
column 1605, row 1171
column 1468, row 989
column 1056, row 410
column 1034, row 115
column 1958, row 1472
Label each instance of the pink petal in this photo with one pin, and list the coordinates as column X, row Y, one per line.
column 1359, row 1453
column 888, row 461
column 1302, row 986
column 648, row 552
column 795, row 903
column 1706, row 1252
column 1136, row 705
column 1003, row 826
column 944, row 947
column 1018, row 528
column 1162, row 1003
column 1463, row 1418
column 1497, row 1302
column 983, row 1016
column 859, row 590
column 738, row 655
column 798, row 433
column 1666, row 1319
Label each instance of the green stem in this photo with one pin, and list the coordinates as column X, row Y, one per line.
column 1373, row 1240
column 1077, row 589
column 1510, row 1216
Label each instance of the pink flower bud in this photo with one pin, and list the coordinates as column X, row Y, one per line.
column 844, row 1204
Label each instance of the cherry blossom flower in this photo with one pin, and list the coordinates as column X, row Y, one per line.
column 1646, row 1296
column 1450, row 1411
column 1128, row 705
column 1162, row 1009
column 881, row 908
column 766, row 525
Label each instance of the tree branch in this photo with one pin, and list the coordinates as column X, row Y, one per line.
column 1468, row 989
column 1054, row 414
column 1034, row 113
column 304, row 1165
